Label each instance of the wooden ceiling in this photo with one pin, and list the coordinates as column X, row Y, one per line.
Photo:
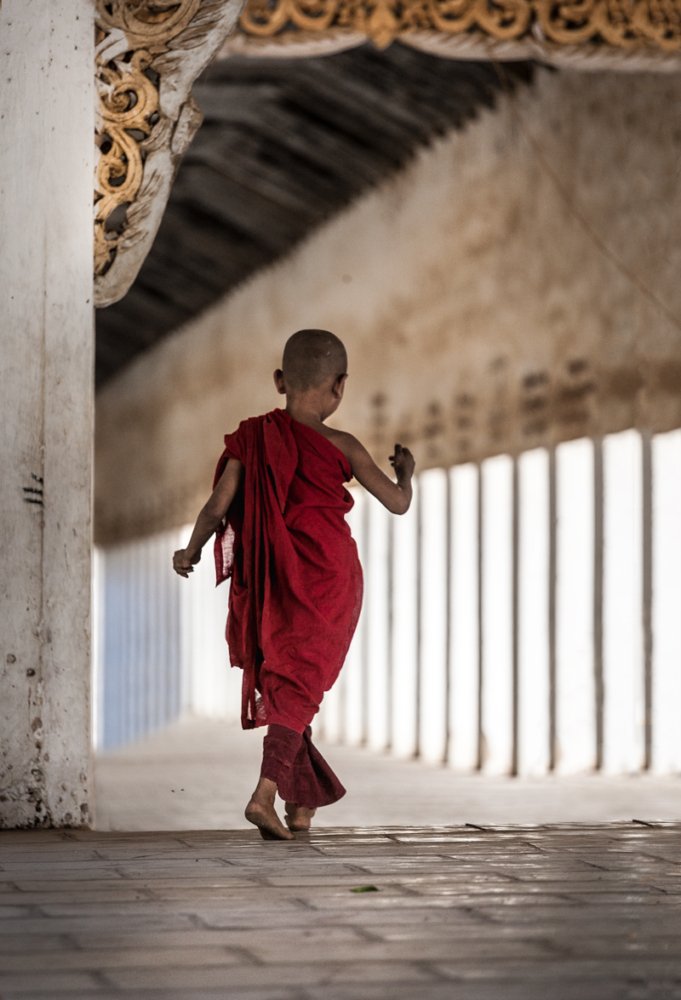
column 285, row 144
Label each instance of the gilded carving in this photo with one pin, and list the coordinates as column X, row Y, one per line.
column 148, row 54
column 624, row 24
column 128, row 111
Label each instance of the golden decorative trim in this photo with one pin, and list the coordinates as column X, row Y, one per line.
column 128, row 106
column 623, row 24
column 148, row 54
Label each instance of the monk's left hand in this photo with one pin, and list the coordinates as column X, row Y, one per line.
column 183, row 563
column 403, row 463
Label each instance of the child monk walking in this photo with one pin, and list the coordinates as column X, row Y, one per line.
column 278, row 513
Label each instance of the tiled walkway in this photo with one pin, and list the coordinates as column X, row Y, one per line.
column 553, row 913
column 375, row 908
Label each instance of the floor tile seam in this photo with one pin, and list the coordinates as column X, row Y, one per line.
column 257, row 882
column 11, row 887
column 663, row 891
column 160, row 908
column 303, row 904
column 657, row 858
column 226, row 950
column 427, row 968
column 361, row 931
column 171, row 860
column 33, row 911
column 31, row 886
column 250, row 961
column 336, row 966
column 101, row 980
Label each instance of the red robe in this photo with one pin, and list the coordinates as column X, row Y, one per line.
column 296, row 581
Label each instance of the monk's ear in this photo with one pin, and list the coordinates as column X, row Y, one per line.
column 339, row 385
column 279, row 381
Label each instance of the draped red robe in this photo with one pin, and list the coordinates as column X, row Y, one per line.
column 296, row 581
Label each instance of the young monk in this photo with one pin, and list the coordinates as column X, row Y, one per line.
column 278, row 511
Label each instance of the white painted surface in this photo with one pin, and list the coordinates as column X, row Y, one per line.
column 351, row 677
column 376, row 614
column 666, row 456
column 405, row 631
column 214, row 687
column 575, row 689
column 434, row 610
column 46, row 363
column 464, row 612
column 497, row 614
column 623, row 664
column 533, row 612
column 162, row 641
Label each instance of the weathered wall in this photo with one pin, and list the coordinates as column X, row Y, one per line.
column 495, row 296
column 46, row 170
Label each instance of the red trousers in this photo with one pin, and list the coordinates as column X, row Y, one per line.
column 299, row 771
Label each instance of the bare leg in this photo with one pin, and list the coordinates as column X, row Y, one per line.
column 261, row 812
column 298, row 818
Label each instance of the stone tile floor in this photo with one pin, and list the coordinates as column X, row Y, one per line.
column 447, row 913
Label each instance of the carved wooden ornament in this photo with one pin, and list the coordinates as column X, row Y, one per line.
column 653, row 25
column 149, row 52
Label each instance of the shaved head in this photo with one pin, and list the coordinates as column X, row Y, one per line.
column 311, row 357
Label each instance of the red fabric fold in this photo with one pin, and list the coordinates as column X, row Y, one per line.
column 296, row 582
column 301, row 774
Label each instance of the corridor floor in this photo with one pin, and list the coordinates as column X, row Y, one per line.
column 566, row 913
column 198, row 775
column 422, row 888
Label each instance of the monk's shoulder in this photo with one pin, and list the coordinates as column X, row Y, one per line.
column 345, row 442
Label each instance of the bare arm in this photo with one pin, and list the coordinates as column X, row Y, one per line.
column 395, row 496
column 209, row 519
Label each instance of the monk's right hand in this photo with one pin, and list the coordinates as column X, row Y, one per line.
column 183, row 564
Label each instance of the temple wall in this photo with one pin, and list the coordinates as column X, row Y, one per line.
column 516, row 286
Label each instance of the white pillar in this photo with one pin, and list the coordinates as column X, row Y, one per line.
column 464, row 651
column 575, row 586
column 46, row 407
column 497, row 614
column 533, row 612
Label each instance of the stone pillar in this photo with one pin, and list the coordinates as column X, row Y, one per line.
column 46, row 409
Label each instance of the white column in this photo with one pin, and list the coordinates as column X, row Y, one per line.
column 377, row 644
column 405, row 630
column 46, row 179
column 623, row 661
column 433, row 497
column 575, row 696
column 533, row 613
column 667, row 602
column 350, row 694
column 497, row 614
column 464, row 630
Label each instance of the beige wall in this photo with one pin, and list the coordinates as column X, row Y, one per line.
column 477, row 293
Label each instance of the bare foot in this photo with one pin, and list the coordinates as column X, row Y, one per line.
column 299, row 818
column 261, row 812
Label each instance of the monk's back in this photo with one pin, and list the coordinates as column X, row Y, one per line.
column 318, row 500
